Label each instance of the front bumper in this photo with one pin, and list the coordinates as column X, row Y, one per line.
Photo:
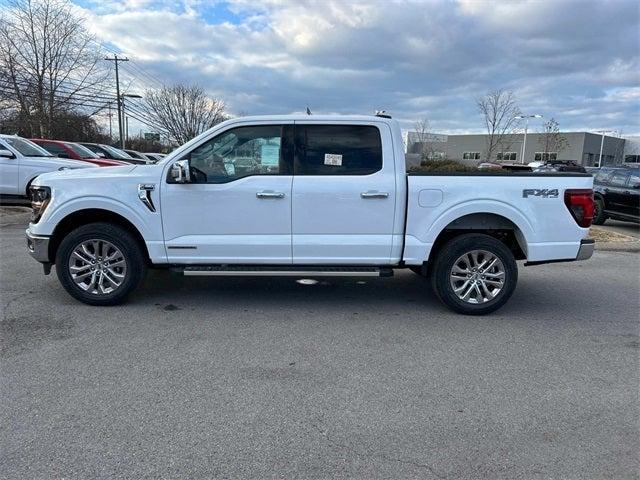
column 38, row 247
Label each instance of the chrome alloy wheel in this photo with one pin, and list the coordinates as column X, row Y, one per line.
column 477, row 276
column 97, row 266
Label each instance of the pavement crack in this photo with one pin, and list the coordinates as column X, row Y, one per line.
column 380, row 455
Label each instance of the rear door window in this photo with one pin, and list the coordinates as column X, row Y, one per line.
column 337, row 150
column 618, row 179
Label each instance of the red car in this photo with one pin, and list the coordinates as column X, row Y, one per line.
column 76, row 152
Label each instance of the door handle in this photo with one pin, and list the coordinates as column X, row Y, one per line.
column 268, row 194
column 374, row 194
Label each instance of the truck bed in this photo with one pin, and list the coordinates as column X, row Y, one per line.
column 532, row 204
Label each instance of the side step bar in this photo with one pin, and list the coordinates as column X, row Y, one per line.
column 282, row 271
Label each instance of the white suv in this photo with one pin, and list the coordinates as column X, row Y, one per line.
column 22, row 160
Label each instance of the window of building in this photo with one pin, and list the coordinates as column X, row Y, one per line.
column 545, row 156
column 435, row 155
column 587, row 159
column 239, row 152
column 471, row 156
column 507, row 156
column 632, row 159
column 338, row 150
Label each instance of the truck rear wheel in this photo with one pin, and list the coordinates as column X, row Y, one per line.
column 474, row 274
column 100, row 264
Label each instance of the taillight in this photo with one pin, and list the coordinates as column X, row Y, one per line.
column 580, row 204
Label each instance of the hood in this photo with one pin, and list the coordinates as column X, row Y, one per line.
column 62, row 162
column 93, row 172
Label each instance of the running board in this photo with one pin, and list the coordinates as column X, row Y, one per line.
column 283, row 271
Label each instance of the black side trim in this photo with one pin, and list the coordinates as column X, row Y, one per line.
column 543, row 262
column 182, row 247
column 499, row 174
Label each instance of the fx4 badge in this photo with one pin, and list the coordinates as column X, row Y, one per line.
column 544, row 193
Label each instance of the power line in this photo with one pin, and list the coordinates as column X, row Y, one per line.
column 59, row 90
column 62, row 102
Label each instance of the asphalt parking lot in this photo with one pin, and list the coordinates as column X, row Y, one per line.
column 260, row 378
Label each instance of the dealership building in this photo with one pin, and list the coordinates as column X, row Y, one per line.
column 581, row 147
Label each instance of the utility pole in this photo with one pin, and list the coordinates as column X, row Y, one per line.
column 115, row 59
column 110, row 129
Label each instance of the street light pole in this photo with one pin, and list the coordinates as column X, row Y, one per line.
column 526, row 127
column 124, row 118
column 603, row 133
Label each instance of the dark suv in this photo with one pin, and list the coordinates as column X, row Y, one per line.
column 617, row 194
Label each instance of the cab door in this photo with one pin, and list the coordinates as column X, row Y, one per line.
column 344, row 194
column 237, row 208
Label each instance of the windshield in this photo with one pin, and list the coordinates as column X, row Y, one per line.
column 83, row 152
column 26, row 147
column 116, row 152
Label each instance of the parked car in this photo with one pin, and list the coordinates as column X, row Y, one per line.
column 617, row 194
column 75, row 151
column 113, row 153
column 21, row 161
column 328, row 196
column 557, row 166
column 138, row 155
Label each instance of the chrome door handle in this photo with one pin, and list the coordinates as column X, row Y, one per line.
column 267, row 194
column 374, row 194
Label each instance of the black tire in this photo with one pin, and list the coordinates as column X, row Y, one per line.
column 599, row 216
column 134, row 260
column 451, row 252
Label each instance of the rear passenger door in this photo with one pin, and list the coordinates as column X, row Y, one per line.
column 343, row 200
column 615, row 190
column 631, row 194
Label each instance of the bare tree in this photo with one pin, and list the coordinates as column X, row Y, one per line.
column 48, row 62
column 551, row 139
column 499, row 110
column 423, row 138
column 184, row 111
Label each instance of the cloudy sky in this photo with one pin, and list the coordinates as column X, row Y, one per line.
column 577, row 61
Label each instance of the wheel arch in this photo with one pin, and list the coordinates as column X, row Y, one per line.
column 92, row 215
column 493, row 224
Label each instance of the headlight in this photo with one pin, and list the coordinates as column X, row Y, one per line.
column 40, row 197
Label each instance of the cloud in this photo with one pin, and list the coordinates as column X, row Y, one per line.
column 577, row 61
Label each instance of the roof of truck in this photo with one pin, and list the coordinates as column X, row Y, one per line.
column 312, row 117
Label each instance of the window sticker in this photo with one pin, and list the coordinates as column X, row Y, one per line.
column 333, row 159
column 270, row 155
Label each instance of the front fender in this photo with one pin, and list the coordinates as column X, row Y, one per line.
column 57, row 212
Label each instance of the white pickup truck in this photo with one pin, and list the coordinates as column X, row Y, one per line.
column 305, row 196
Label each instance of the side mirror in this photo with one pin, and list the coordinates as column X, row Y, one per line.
column 6, row 153
column 63, row 155
column 180, row 172
column 101, row 155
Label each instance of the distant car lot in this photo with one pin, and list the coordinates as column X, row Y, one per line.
column 255, row 377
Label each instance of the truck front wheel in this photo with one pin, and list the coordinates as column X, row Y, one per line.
column 100, row 264
column 474, row 274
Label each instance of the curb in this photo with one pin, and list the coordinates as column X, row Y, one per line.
column 618, row 246
column 14, row 216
